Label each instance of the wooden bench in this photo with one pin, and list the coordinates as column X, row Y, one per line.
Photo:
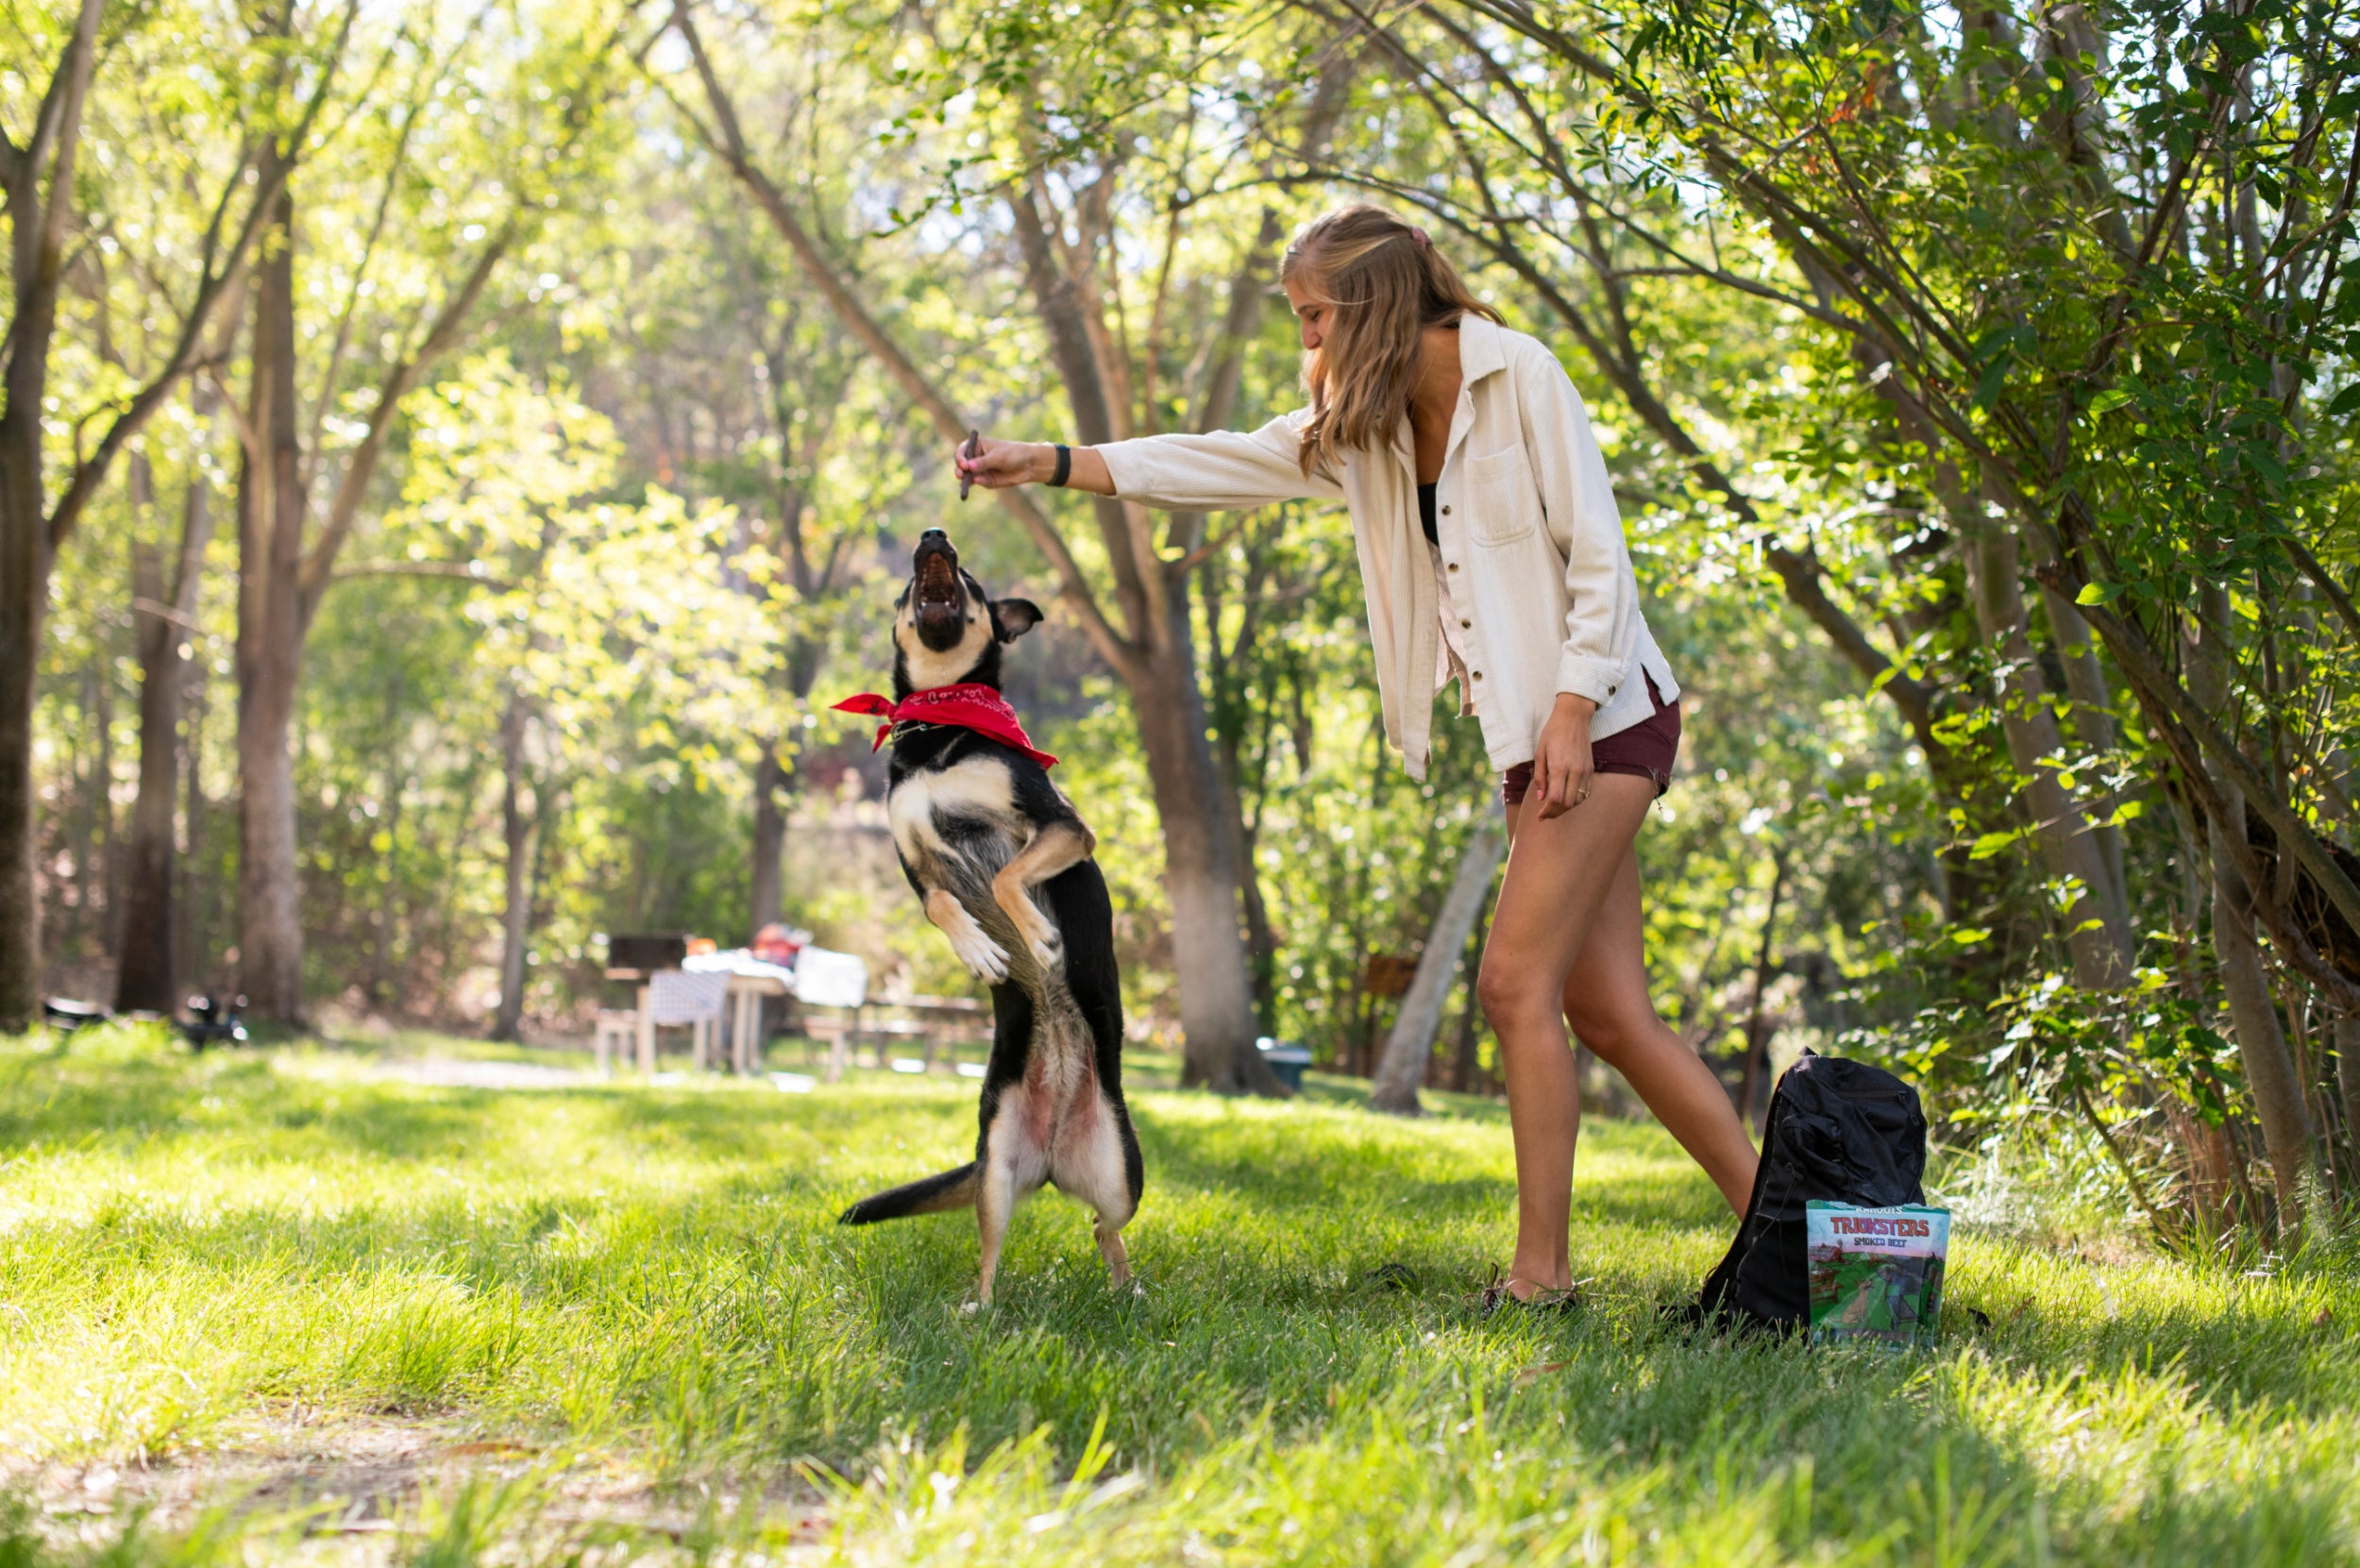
column 939, row 1021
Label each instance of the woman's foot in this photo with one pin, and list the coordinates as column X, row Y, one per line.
column 1514, row 1290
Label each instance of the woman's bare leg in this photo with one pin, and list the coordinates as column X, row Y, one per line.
column 1559, row 875
column 1607, row 1004
column 1565, row 887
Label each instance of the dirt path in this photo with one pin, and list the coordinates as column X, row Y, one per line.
column 356, row 1491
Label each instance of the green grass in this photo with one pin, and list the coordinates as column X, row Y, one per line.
column 199, row 1256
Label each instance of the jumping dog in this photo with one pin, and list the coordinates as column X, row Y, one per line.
column 1001, row 863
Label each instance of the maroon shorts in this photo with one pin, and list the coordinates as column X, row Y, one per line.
column 1644, row 751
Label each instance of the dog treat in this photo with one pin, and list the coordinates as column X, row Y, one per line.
column 972, row 449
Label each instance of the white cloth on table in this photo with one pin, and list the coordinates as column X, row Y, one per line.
column 739, row 962
column 825, row 979
column 677, row 996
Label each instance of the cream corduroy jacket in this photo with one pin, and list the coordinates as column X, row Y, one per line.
column 1531, row 543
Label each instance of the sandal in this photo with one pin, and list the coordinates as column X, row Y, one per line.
column 1495, row 1295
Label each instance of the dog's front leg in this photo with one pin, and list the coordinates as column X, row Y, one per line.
column 1056, row 847
column 984, row 958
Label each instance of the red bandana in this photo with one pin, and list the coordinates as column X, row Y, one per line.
column 969, row 705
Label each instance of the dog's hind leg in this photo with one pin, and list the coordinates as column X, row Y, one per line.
column 1056, row 846
column 1008, row 1169
column 1110, row 1247
column 995, row 1202
column 1090, row 1165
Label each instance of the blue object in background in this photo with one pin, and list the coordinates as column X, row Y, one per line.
column 1285, row 1058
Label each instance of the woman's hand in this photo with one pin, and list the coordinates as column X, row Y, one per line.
column 1006, row 465
column 1560, row 763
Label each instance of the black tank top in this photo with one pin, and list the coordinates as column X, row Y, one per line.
column 1426, row 514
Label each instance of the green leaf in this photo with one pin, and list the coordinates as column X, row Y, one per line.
column 1992, row 844
column 2098, row 592
column 2109, row 400
column 2347, row 401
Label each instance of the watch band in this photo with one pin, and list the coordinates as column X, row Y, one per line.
column 1065, row 467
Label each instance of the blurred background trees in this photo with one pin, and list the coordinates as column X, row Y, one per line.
column 453, row 456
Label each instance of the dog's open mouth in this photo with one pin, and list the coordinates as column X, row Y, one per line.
column 936, row 586
column 938, row 600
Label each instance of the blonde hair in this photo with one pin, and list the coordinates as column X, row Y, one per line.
column 1383, row 282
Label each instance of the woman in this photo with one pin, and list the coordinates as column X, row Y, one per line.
column 1492, row 553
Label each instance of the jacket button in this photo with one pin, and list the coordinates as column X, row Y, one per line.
column 1453, row 565
column 1479, row 675
column 1446, row 511
column 1611, row 690
column 1466, row 625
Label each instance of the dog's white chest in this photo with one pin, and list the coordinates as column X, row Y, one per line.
column 978, row 789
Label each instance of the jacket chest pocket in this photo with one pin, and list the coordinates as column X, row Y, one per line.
column 1506, row 502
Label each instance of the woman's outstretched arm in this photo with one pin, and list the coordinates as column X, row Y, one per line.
column 1219, row 471
column 1006, row 465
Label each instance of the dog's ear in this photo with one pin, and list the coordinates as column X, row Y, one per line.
column 1012, row 617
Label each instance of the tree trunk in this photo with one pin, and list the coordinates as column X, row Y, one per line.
column 1200, row 857
column 1203, row 843
column 37, row 233
column 23, row 590
column 769, row 900
column 2270, row 1069
column 1757, row 1042
column 270, row 651
column 192, row 906
column 2085, row 683
column 516, row 832
column 147, row 976
column 1420, row 1019
column 2347, row 1081
column 2102, row 953
column 97, row 866
column 146, row 971
column 390, row 790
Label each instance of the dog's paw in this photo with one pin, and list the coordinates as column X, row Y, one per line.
column 984, row 958
column 1048, row 950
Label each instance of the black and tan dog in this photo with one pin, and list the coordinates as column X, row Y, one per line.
column 1001, row 863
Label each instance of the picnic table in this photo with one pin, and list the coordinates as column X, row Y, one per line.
column 705, row 992
column 709, row 993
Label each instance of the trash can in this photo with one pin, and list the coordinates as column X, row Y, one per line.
column 1285, row 1058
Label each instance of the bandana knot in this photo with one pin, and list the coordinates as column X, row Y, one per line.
column 969, row 705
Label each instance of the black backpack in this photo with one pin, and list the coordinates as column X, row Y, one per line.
column 1839, row 1131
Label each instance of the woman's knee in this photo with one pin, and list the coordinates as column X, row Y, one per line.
column 1614, row 1033
column 1512, row 994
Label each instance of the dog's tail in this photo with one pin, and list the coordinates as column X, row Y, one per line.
column 927, row 1195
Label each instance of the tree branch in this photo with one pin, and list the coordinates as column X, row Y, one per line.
column 91, row 472
column 2130, row 651
column 448, row 330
